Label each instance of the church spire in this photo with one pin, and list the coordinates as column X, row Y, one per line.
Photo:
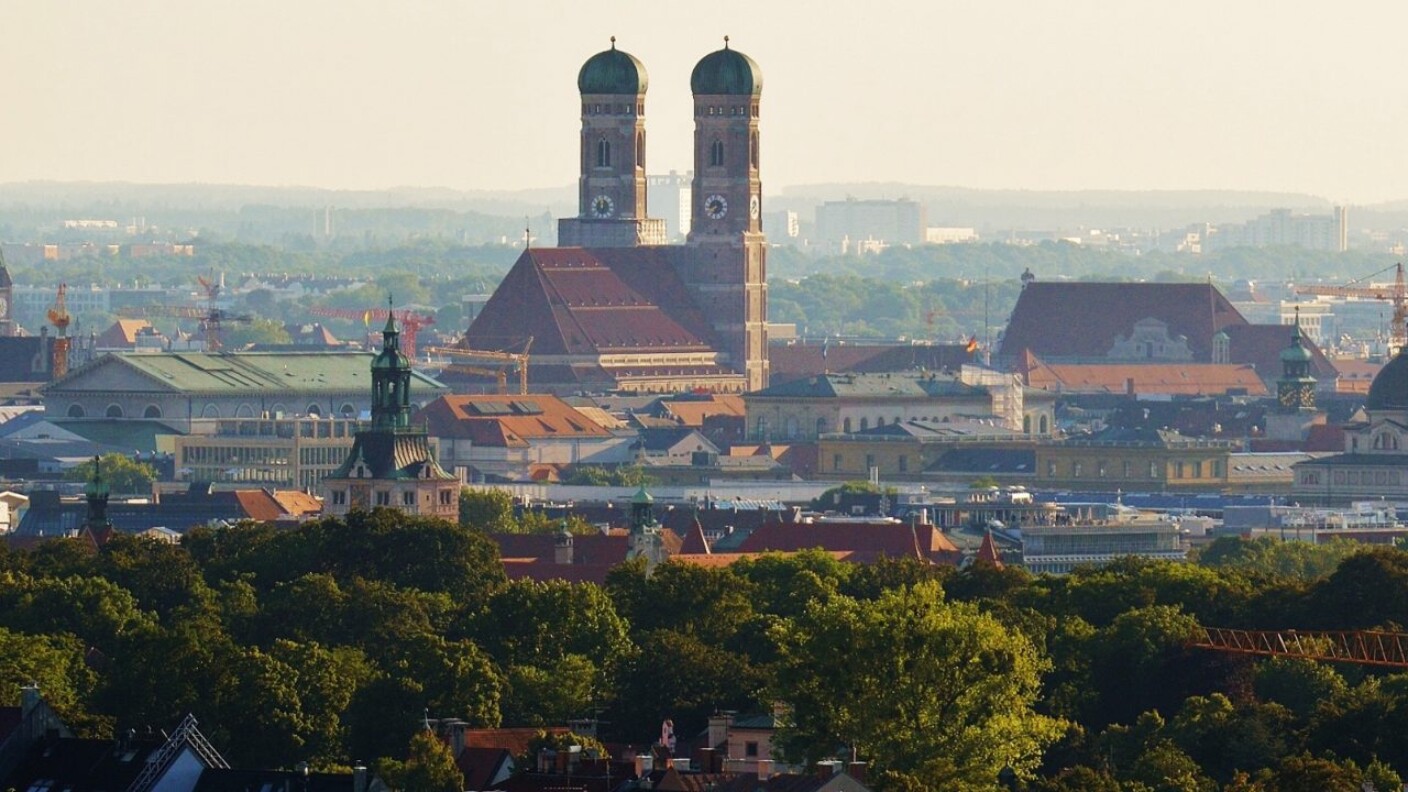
column 391, row 378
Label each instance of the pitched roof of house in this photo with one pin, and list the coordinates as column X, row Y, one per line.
column 515, row 741
column 507, row 421
column 25, row 359
column 574, row 301
column 122, row 333
column 866, row 541
column 691, row 410
column 669, row 438
column 229, row 373
column 1355, row 375
column 1077, row 319
column 1179, row 379
column 1260, row 346
column 987, row 552
column 788, row 362
column 480, row 766
column 608, row 549
column 849, row 385
column 694, row 541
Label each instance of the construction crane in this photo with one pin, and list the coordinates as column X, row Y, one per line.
column 1395, row 293
column 411, row 321
column 59, row 317
column 517, row 360
column 1365, row 647
column 499, row 375
column 211, row 317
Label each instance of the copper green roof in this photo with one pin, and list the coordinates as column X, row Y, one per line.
column 612, row 71
column 247, row 372
column 642, row 496
column 727, row 72
column 391, row 455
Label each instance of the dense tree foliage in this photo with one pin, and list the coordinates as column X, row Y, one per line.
column 122, row 474
column 334, row 640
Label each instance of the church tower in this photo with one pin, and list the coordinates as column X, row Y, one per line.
column 391, row 463
column 728, row 274
column 611, row 191
column 1295, row 390
column 7, row 302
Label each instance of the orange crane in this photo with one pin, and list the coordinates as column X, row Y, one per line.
column 411, row 322
column 1366, row 647
column 1395, row 293
column 518, row 360
column 59, row 317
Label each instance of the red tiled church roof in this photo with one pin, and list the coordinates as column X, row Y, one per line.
column 578, row 301
column 1260, row 346
column 865, row 542
column 1058, row 320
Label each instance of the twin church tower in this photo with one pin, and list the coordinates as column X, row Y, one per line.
column 615, row 308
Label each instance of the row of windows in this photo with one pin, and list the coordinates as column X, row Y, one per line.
column 736, row 110
column 222, row 455
column 791, row 428
column 383, row 497
column 603, row 152
column 1102, row 469
column 209, row 411
column 617, row 109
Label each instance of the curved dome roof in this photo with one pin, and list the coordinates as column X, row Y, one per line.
column 727, row 72
column 612, row 71
column 1390, row 388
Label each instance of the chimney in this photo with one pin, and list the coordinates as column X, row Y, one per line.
column 718, row 730
column 856, row 770
column 562, row 547
column 359, row 777
column 29, row 699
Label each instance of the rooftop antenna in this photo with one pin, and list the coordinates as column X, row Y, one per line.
column 527, row 226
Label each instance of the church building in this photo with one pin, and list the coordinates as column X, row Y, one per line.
column 391, row 464
column 613, row 307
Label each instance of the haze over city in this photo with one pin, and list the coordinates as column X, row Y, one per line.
column 1294, row 97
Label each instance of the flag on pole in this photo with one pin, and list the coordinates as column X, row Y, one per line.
column 367, row 318
column 972, row 345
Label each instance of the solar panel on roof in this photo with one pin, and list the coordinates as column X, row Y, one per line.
column 527, row 407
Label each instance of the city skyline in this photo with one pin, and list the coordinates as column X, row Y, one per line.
column 458, row 95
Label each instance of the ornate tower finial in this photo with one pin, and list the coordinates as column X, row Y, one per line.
column 725, row 42
column 613, row 42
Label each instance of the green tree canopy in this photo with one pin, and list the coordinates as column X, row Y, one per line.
column 928, row 690
column 122, row 474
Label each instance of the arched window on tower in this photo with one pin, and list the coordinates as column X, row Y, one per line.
column 603, row 154
column 640, row 150
column 716, row 154
column 753, row 151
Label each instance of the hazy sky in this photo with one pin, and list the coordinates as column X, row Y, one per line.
column 1126, row 94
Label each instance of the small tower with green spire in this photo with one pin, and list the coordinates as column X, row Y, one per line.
column 1295, row 390
column 391, row 463
column 96, row 492
column 645, row 540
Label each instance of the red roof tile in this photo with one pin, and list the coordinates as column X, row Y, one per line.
column 1195, row 379
column 1260, row 346
column 1058, row 320
column 507, row 421
column 865, row 541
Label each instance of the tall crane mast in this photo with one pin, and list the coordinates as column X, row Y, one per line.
column 59, row 317
column 411, row 322
column 1395, row 293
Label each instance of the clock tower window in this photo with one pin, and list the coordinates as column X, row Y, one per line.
column 603, row 153
column 716, row 154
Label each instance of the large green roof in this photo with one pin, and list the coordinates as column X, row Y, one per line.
column 245, row 372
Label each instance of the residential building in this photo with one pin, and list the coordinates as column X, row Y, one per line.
column 518, row 438
column 1282, row 228
column 803, row 410
column 1058, row 548
column 391, row 463
column 891, row 222
column 906, row 450
column 1140, row 459
column 273, row 452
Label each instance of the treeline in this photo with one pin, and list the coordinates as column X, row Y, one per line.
column 332, row 641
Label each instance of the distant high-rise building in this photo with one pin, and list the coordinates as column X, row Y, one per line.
column 1281, row 228
column 881, row 221
column 669, row 200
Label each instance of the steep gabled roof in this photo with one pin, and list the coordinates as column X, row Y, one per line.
column 849, row 385
column 392, row 455
column 1065, row 320
column 866, row 541
column 1260, row 346
column 508, row 421
column 1183, row 379
column 579, row 301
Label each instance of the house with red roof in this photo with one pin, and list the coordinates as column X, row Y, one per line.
column 512, row 438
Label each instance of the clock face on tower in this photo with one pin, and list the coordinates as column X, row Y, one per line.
column 754, row 207
column 715, row 206
column 603, row 206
